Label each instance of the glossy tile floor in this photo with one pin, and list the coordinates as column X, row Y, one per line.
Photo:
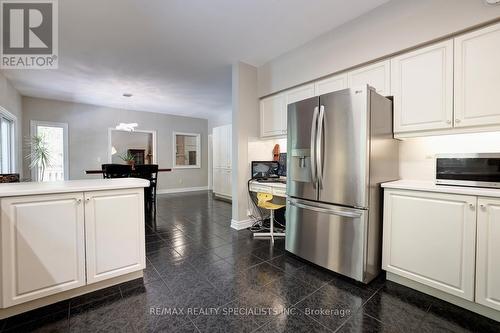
column 202, row 276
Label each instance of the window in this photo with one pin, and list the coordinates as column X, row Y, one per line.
column 54, row 137
column 186, row 150
column 7, row 142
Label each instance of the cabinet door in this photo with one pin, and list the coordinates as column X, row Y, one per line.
column 216, row 145
column 228, row 182
column 477, row 78
column 272, row 115
column 422, row 86
column 431, row 238
column 217, row 181
column 229, row 146
column 300, row 93
column 488, row 253
column 376, row 75
column 42, row 246
column 331, row 84
column 114, row 230
column 223, row 145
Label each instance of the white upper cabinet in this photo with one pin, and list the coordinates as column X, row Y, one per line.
column 377, row 75
column 431, row 238
column 273, row 115
column 41, row 256
column 477, row 78
column 488, row 253
column 330, row 84
column 422, row 86
column 300, row 93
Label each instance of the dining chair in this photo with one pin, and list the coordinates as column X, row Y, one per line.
column 149, row 172
column 116, row 170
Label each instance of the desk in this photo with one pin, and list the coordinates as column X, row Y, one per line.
column 276, row 189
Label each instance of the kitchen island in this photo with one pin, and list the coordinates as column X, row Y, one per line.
column 64, row 239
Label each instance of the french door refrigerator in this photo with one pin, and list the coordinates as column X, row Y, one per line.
column 340, row 147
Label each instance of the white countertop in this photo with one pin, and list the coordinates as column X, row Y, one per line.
column 33, row 188
column 429, row 186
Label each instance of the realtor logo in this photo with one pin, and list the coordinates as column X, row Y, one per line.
column 29, row 37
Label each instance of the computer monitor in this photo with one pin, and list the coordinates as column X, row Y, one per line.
column 265, row 169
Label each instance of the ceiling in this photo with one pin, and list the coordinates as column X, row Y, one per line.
column 174, row 56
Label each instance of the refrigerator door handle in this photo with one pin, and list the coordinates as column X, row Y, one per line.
column 344, row 212
column 314, row 128
column 319, row 146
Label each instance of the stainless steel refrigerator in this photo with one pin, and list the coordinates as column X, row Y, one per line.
column 340, row 148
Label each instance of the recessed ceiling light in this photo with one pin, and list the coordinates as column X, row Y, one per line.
column 127, row 95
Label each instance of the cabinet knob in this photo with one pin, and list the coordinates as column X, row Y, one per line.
column 78, row 201
column 483, row 206
column 87, row 199
column 448, row 121
column 457, row 120
column 471, row 206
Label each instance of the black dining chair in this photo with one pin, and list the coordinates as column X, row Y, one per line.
column 149, row 172
column 116, row 170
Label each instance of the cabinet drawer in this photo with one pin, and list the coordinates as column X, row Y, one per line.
column 281, row 192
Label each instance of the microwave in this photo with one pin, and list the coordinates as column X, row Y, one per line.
column 477, row 170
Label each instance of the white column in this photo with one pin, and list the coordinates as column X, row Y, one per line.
column 245, row 126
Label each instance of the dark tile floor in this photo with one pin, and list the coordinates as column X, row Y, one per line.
column 202, row 276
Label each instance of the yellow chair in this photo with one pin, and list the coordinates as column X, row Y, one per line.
column 264, row 201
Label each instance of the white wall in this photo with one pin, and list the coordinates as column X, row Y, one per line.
column 245, row 128
column 262, row 150
column 393, row 27
column 221, row 119
column 88, row 137
column 11, row 100
column 416, row 156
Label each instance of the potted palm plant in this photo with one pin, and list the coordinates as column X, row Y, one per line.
column 39, row 156
column 128, row 158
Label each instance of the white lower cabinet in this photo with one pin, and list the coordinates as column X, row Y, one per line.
column 41, row 256
column 222, row 182
column 488, row 253
column 431, row 238
column 57, row 242
column 114, row 239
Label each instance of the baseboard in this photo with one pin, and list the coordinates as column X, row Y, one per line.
column 240, row 225
column 182, row 190
column 471, row 306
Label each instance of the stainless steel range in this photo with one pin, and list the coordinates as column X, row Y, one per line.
column 340, row 148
